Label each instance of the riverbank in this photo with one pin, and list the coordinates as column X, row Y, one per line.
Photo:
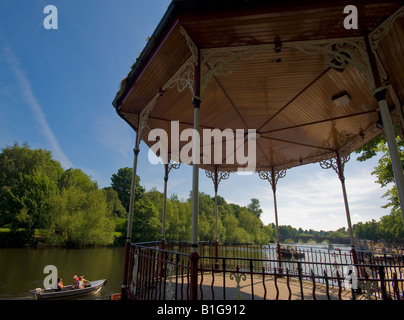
column 17, row 239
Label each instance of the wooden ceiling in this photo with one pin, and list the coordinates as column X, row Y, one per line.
column 285, row 96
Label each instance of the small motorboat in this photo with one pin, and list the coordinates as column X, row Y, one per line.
column 290, row 252
column 68, row 292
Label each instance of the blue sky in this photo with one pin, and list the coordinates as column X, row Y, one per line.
column 56, row 93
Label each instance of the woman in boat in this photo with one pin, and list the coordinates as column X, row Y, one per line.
column 78, row 284
column 60, row 284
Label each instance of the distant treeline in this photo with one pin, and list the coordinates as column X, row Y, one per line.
column 42, row 202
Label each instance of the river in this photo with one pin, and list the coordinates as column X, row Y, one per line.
column 22, row 269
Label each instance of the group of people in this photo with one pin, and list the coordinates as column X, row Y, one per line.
column 79, row 283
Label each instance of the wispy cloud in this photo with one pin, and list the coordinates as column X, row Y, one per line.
column 28, row 94
column 318, row 202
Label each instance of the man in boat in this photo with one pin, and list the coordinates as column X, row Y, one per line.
column 60, row 284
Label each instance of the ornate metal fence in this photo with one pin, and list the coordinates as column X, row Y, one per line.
column 245, row 271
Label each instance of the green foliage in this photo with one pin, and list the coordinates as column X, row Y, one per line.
column 81, row 218
column 68, row 207
column 28, row 179
column 390, row 228
column 255, row 208
column 121, row 182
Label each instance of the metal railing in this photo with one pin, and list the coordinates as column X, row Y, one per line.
column 245, row 271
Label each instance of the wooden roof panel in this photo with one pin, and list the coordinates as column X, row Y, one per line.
column 259, row 87
column 315, row 104
column 167, row 60
column 297, row 23
column 391, row 54
column 286, row 96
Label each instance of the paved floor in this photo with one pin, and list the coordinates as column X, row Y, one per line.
column 211, row 288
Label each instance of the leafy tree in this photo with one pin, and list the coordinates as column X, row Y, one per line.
column 287, row 232
column 77, row 178
column 384, row 172
column 178, row 220
column 146, row 221
column 384, row 169
column 122, row 182
column 80, row 219
column 115, row 206
column 369, row 230
column 36, row 193
column 28, row 179
column 255, row 207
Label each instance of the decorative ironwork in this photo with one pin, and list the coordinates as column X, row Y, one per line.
column 144, row 116
column 238, row 277
column 183, row 78
column 378, row 279
column 173, row 165
column 222, row 61
column 380, row 32
column 191, row 45
column 217, row 176
column 333, row 163
column 339, row 53
column 170, row 286
column 272, row 176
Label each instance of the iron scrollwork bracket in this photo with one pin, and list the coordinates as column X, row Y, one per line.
column 272, row 176
column 333, row 164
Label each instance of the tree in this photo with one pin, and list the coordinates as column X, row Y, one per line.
column 385, row 175
column 66, row 206
column 28, row 179
column 81, row 218
column 146, row 221
column 384, row 169
column 115, row 206
column 255, row 208
column 122, row 182
column 77, row 178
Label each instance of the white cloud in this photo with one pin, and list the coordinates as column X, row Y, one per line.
column 27, row 93
column 312, row 198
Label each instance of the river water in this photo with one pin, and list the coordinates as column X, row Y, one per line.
column 21, row 270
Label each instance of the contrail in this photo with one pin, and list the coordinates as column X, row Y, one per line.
column 28, row 94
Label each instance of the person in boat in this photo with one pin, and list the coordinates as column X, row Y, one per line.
column 60, row 284
column 78, row 284
column 85, row 282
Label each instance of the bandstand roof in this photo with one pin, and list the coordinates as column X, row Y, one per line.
column 286, row 96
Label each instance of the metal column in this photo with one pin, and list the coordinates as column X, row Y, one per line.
column 194, row 256
column 273, row 177
column 163, row 224
column 380, row 96
column 337, row 164
column 130, row 217
column 348, row 215
column 167, row 170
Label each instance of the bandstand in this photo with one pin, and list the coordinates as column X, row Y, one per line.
column 284, row 83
